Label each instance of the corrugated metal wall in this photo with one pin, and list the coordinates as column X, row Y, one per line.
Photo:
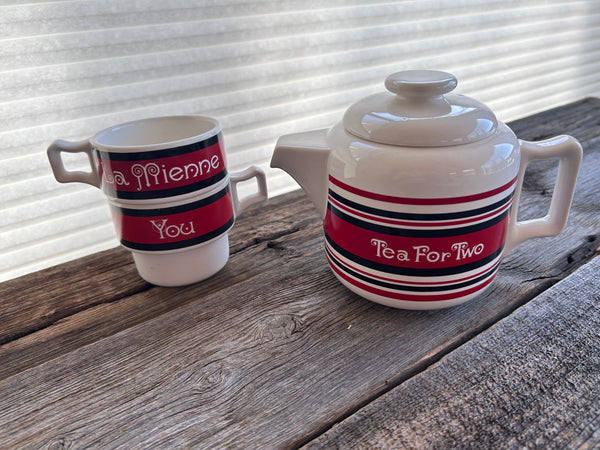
column 263, row 68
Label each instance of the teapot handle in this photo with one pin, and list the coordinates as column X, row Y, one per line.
column 569, row 153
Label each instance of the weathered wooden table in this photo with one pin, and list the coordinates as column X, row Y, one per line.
column 273, row 352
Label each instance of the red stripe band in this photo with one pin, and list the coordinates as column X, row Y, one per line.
column 175, row 227
column 421, row 201
column 163, row 174
column 396, row 222
column 412, row 297
column 405, row 281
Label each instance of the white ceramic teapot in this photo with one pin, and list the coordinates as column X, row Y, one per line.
column 419, row 189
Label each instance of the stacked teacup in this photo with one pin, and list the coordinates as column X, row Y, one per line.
column 171, row 198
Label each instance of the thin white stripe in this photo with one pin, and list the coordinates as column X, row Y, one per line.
column 421, row 209
column 360, row 282
column 414, row 224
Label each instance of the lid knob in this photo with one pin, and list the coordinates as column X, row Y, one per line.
column 418, row 110
column 420, row 83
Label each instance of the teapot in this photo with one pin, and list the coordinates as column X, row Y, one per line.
column 419, row 188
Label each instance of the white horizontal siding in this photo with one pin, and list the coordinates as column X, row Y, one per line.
column 70, row 68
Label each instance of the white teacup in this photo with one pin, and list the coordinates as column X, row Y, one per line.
column 171, row 198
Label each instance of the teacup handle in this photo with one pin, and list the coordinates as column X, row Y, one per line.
column 65, row 176
column 569, row 153
column 260, row 196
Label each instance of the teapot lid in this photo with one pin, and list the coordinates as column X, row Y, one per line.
column 418, row 111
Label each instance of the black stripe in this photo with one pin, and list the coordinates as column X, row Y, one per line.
column 180, row 244
column 156, row 154
column 417, row 233
column 172, row 209
column 403, row 287
column 419, row 216
column 412, row 271
column 162, row 193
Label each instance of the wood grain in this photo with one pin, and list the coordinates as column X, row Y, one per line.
column 271, row 351
column 35, row 301
column 38, row 300
column 530, row 381
column 100, row 302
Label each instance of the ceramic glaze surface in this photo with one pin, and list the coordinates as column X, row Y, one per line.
column 441, row 241
column 424, row 172
column 419, row 189
column 175, row 225
column 419, row 110
column 171, row 198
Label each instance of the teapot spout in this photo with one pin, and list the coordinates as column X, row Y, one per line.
column 304, row 156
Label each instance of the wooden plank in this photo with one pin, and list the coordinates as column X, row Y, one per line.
column 579, row 119
column 35, row 301
column 38, row 300
column 100, row 301
column 267, row 361
column 530, row 381
column 218, row 372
